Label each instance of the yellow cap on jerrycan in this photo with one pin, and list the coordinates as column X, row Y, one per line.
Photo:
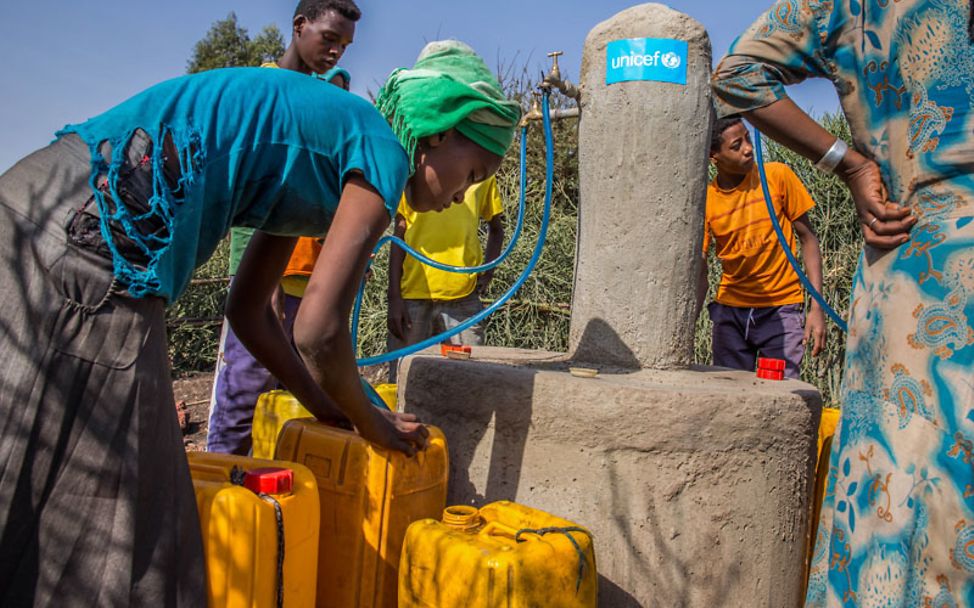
column 248, row 509
column 368, row 498
column 503, row 555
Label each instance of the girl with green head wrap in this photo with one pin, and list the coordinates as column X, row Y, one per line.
column 453, row 119
column 104, row 227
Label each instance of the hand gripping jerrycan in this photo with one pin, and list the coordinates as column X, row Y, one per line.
column 274, row 408
column 503, row 555
column 368, row 498
column 259, row 520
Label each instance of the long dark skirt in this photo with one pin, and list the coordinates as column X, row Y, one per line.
column 96, row 504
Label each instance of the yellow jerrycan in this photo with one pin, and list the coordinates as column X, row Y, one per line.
column 368, row 498
column 274, row 408
column 248, row 509
column 826, row 433
column 388, row 394
column 502, row 555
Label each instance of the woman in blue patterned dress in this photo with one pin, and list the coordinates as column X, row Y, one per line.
column 897, row 527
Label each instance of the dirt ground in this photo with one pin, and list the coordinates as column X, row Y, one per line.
column 194, row 390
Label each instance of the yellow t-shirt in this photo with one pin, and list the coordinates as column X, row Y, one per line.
column 449, row 237
column 756, row 272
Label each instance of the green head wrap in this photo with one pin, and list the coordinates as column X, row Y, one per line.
column 449, row 87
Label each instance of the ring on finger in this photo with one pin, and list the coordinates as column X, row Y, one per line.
column 872, row 222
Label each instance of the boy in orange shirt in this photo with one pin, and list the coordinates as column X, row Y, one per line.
column 758, row 310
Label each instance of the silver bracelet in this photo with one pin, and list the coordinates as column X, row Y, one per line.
column 833, row 157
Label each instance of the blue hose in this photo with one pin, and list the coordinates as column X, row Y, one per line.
column 357, row 310
column 759, row 159
column 536, row 254
column 372, row 394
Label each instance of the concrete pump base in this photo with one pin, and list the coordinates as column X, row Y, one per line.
column 695, row 483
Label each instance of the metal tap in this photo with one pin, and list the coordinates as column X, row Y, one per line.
column 534, row 113
column 553, row 78
column 557, row 114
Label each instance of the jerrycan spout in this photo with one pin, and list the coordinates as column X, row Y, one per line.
column 462, row 517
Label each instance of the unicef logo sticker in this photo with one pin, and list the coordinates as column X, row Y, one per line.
column 655, row 59
column 671, row 60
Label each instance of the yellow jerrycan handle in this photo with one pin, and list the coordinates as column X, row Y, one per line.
column 496, row 528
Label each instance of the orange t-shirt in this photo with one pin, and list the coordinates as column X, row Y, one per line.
column 303, row 257
column 299, row 267
column 756, row 272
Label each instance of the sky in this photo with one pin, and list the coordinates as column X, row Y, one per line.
column 64, row 61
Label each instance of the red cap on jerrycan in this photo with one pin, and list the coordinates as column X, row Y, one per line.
column 777, row 365
column 457, row 348
column 271, row 480
column 770, row 374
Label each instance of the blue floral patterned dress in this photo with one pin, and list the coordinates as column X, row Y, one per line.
column 897, row 527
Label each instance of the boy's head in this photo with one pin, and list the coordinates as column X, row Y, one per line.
column 730, row 147
column 321, row 31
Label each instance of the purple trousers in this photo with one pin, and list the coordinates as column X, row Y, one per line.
column 240, row 380
column 741, row 335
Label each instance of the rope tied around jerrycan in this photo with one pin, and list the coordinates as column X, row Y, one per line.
column 582, row 559
column 237, row 478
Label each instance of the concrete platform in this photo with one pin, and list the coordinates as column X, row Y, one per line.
column 695, row 483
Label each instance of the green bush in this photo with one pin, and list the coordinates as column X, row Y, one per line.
column 194, row 319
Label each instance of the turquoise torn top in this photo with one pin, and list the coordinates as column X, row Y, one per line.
column 266, row 149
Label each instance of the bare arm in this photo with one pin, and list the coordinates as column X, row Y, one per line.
column 253, row 318
column 811, row 250
column 398, row 320
column 884, row 224
column 321, row 330
column 702, row 283
column 495, row 239
column 812, row 256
